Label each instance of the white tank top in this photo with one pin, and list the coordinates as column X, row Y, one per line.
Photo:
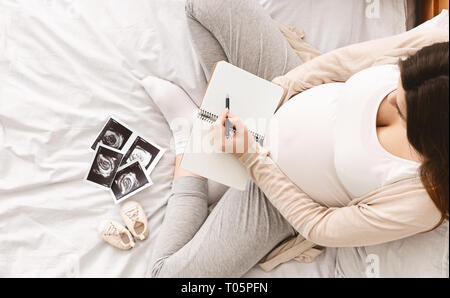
column 325, row 139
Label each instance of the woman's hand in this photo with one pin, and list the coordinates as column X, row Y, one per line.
column 237, row 143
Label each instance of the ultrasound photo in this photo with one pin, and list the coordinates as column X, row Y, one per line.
column 104, row 166
column 113, row 134
column 129, row 180
column 147, row 153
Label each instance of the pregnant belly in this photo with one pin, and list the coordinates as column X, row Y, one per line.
column 300, row 138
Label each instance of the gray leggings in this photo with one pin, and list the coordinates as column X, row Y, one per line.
column 244, row 226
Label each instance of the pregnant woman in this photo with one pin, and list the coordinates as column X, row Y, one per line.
column 358, row 158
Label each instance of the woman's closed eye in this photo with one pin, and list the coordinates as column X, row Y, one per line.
column 399, row 112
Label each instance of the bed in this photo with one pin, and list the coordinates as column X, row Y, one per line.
column 65, row 66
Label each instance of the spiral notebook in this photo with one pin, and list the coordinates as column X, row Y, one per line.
column 252, row 99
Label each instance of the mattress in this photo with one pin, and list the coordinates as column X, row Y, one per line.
column 65, row 66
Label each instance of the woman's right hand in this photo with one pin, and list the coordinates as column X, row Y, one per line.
column 237, row 143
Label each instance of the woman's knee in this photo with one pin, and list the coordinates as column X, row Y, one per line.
column 195, row 8
column 188, row 8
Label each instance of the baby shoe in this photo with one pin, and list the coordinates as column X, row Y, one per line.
column 134, row 217
column 116, row 234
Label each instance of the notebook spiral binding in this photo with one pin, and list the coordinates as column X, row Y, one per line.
column 211, row 118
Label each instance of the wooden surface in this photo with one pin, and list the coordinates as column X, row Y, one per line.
column 431, row 8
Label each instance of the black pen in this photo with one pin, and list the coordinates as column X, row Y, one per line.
column 227, row 122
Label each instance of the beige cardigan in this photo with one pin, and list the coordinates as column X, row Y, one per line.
column 393, row 212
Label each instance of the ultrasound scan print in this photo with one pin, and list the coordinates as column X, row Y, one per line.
column 127, row 183
column 142, row 151
column 113, row 139
column 141, row 155
column 104, row 167
column 114, row 135
column 129, row 180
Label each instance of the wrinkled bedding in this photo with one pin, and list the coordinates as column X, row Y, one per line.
column 65, row 66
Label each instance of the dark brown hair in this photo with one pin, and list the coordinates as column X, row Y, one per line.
column 425, row 80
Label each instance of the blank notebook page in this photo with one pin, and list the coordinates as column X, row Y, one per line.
column 252, row 99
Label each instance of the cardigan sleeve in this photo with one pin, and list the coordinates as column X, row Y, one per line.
column 340, row 64
column 397, row 212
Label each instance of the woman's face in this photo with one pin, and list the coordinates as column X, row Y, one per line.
column 398, row 100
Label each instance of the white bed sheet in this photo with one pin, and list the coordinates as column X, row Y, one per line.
column 330, row 24
column 60, row 78
column 64, row 67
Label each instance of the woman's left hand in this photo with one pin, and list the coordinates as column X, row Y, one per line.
column 237, row 143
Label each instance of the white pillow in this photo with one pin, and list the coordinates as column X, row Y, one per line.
column 422, row 255
column 439, row 21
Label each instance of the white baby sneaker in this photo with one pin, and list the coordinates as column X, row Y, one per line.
column 134, row 217
column 116, row 234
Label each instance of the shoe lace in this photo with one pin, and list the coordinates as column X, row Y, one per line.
column 112, row 230
column 133, row 214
